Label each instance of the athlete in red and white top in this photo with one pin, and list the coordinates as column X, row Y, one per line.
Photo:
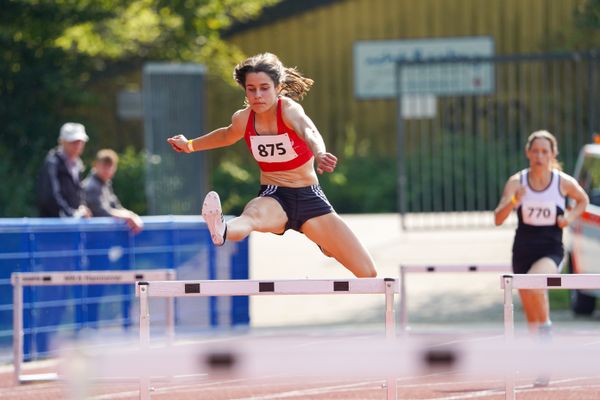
column 288, row 148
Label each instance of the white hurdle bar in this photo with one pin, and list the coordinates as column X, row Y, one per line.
column 148, row 289
column 430, row 268
column 537, row 281
column 69, row 278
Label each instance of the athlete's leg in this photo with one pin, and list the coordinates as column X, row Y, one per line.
column 535, row 302
column 261, row 214
column 331, row 233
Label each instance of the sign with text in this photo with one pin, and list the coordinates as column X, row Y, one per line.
column 375, row 67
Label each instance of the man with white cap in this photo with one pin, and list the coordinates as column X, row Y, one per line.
column 59, row 187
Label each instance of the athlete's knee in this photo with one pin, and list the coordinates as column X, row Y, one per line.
column 367, row 271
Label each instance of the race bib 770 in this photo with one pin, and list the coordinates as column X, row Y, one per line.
column 272, row 148
column 539, row 213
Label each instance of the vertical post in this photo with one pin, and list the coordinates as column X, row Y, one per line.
column 403, row 309
column 390, row 332
column 144, row 336
column 401, row 180
column 17, row 326
column 170, row 316
column 509, row 332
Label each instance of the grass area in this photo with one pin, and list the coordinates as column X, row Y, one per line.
column 559, row 299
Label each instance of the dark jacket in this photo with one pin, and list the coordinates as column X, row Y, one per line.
column 99, row 196
column 59, row 194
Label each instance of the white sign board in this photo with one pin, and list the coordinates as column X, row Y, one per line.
column 375, row 67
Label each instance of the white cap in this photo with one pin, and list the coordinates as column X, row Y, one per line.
column 72, row 131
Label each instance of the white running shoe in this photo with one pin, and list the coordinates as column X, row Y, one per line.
column 213, row 215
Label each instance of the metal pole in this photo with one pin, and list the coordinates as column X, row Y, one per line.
column 403, row 311
column 144, row 336
column 171, row 314
column 401, row 190
column 17, row 326
column 509, row 332
column 390, row 332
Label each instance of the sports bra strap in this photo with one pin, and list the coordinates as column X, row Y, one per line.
column 280, row 124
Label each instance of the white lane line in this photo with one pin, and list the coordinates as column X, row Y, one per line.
column 313, row 391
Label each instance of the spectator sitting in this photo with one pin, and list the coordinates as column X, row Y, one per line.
column 99, row 194
column 59, row 185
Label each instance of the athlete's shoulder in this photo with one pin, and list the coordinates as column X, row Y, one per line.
column 564, row 177
column 289, row 104
column 241, row 115
column 516, row 177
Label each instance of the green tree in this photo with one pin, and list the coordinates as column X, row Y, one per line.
column 53, row 53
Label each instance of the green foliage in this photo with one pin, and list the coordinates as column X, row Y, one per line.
column 559, row 299
column 362, row 184
column 359, row 184
column 237, row 183
column 128, row 182
column 585, row 34
column 52, row 54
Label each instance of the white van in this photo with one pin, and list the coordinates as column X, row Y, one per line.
column 583, row 249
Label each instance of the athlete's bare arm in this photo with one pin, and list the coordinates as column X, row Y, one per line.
column 569, row 187
column 294, row 117
column 512, row 188
column 220, row 137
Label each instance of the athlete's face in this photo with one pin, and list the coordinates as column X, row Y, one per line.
column 540, row 153
column 260, row 91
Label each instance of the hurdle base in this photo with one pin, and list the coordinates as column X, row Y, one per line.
column 45, row 377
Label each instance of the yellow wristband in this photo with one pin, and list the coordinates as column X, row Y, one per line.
column 190, row 146
column 513, row 200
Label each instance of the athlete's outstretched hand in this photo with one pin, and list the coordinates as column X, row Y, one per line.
column 179, row 143
column 326, row 162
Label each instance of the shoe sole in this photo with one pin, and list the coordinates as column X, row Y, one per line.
column 212, row 214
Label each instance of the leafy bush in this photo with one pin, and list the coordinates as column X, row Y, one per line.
column 129, row 181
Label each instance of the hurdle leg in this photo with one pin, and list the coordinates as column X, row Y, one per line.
column 390, row 331
column 403, row 310
column 509, row 332
column 170, row 313
column 144, row 336
column 17, row 327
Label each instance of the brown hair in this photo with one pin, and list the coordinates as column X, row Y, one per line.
column 107, row 156
column 293, row 83
column 542, row 134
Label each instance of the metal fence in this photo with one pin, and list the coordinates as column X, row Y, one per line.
column 173, row 98
column 463, row 124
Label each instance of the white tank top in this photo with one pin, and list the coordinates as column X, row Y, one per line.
column 540, row 208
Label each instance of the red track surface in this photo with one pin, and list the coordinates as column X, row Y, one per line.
column 434, row 386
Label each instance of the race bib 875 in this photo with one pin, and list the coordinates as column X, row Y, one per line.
column 272, row 148
column 539, row 213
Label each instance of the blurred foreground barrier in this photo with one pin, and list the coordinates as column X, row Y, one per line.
column 300, row 360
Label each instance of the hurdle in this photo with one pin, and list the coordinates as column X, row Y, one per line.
column 537, row 281
column 69, row 278
column 149, row 289
column 429, row 268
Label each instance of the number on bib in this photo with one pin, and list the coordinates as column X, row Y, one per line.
column 539, row 213
column 272, row 148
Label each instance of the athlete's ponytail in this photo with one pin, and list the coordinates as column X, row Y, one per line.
column 553, row 145
column 293, row 83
